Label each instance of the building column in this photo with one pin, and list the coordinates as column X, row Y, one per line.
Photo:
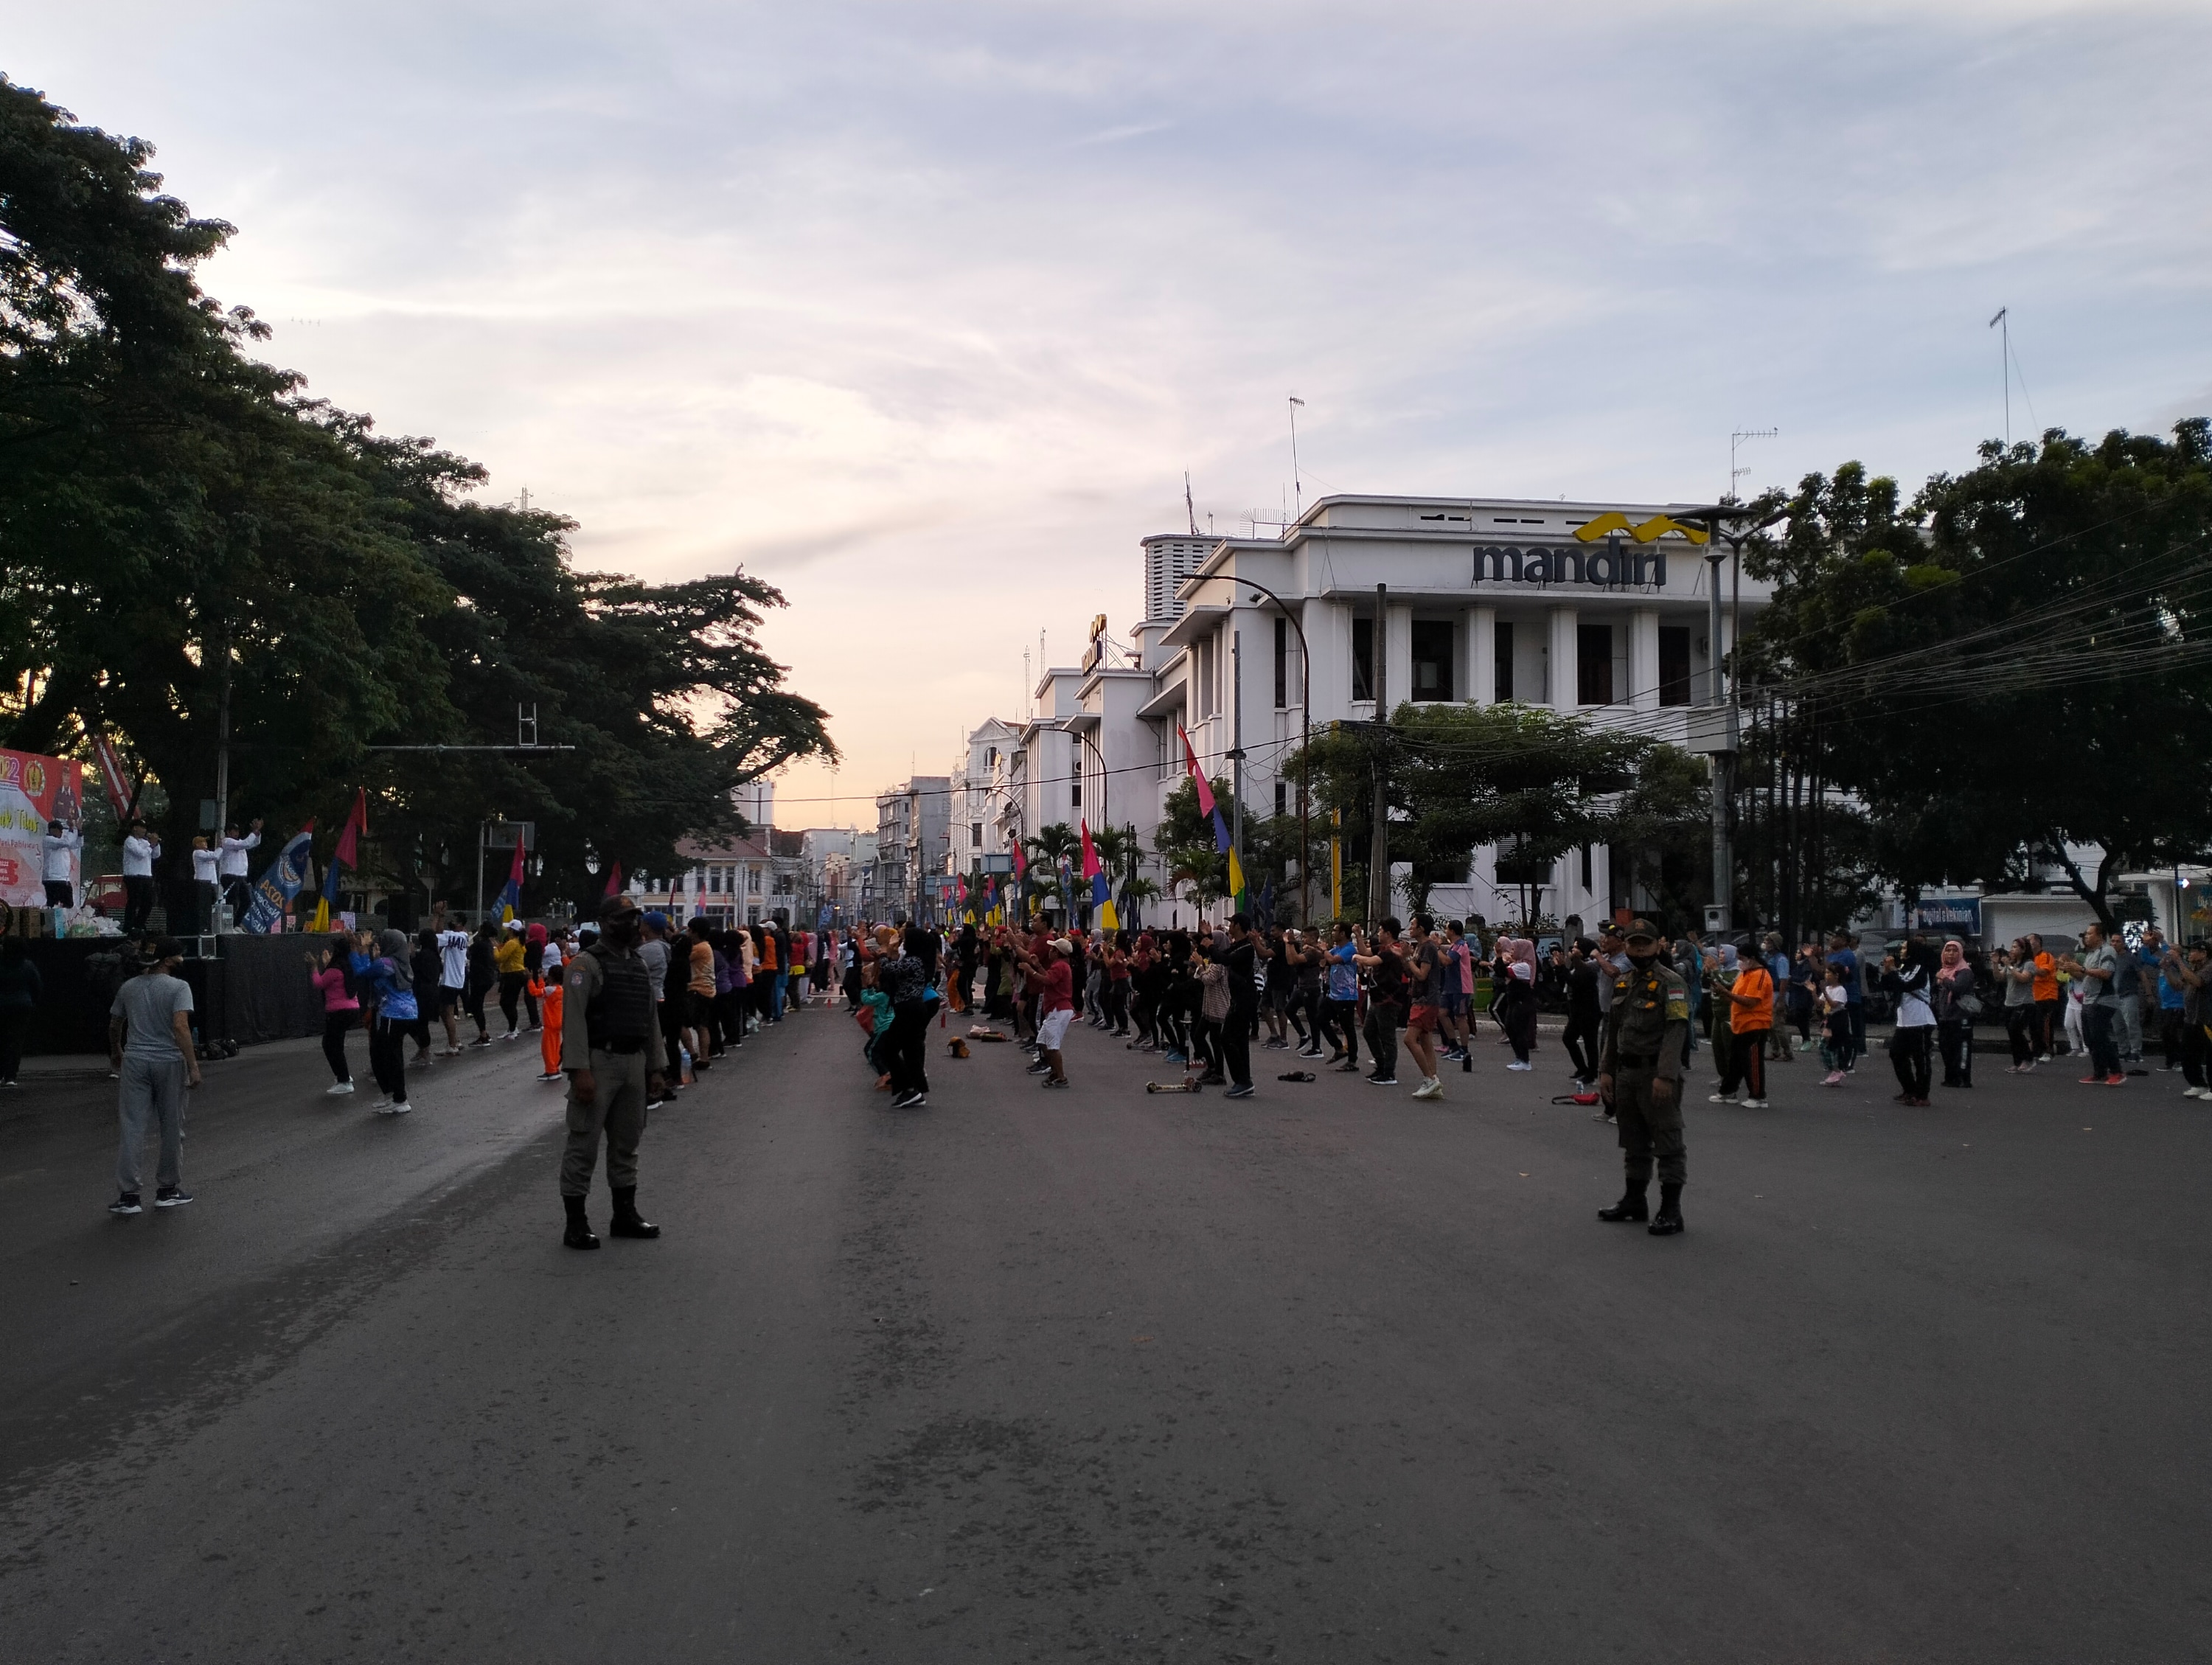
column 1565, row 658
column 1644, row 658
column 1481, row 655
column 1399, row 645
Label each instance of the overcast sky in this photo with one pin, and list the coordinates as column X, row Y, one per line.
column 921, row 311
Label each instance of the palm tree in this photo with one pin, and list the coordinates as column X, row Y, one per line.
column 1135, row 892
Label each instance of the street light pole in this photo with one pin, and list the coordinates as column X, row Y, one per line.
column 1305, row 752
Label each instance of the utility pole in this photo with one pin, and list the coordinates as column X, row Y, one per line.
column 223, row 757
column 1378, row 856
column 1236, row 750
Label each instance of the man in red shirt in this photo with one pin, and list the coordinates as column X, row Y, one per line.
column 1055, row 986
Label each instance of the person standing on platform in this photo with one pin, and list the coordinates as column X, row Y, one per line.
column 231, row 868
column 140, row 853
column 1640, row 1073
column 56, row 852
column 207, row 885
column 610, row 1050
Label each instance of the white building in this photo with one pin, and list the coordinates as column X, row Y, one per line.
column 1600, row 609
column 978, row 789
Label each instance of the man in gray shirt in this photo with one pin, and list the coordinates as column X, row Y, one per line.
column 149, row 1041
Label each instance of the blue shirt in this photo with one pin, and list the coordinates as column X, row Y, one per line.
column 1849, row 962
column 1343, row 975
column 393, row 985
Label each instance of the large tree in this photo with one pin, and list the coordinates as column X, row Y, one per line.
column 183, row 531
column 2000, row 671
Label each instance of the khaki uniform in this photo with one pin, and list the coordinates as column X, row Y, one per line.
column 617, row 1106
column 1644, row 1030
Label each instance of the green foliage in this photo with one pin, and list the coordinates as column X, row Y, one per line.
column 2005, row 665
column 1534, row 781
column 175, row 516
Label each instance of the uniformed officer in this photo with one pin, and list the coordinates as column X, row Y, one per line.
column 611, row 1051
column 1640, row 1075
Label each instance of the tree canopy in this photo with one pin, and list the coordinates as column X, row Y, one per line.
column 177, row 516
column 1999, row 671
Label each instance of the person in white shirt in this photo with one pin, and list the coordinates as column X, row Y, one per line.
column 140, row 852
column 233, row 867
column 453, row 978
column 59, row 850
column 206, row 882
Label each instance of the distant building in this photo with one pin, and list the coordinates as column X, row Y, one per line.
column 913, row 823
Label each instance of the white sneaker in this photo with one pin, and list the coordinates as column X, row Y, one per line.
column 1720, row 1098
column 1431, row 1088
column 1756, row 1104
column 342, row 1087
column 1517, row 1065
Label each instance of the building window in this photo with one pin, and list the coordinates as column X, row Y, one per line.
column 1362, row 658
column 1282, row 798
column 1586, row 867
column 1593, row 665
column 974, row 834
column 1502, row 688
column 1432, row 658
column 1075, row 794
column 1674, row 665
column 1282, row 664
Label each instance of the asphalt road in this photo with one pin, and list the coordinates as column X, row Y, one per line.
column 1331, row 1374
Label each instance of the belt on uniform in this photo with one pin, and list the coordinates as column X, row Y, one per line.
column 1629, row 1060
column 624, row 1047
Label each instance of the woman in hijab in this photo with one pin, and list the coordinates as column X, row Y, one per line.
column 1954, row 1019
column 1517, row 1004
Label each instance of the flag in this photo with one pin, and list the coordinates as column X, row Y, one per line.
column 614, row 880
column 347, row 854
column 279, row 882
column 510, row 894
column 963, row 887
column 112, row 776
column 1021, row 863
column 1198, row 779
column 1236, row 881
column 1101, row 895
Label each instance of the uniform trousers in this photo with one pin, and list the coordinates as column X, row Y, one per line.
column 1648, row 1131
column 615, row 1109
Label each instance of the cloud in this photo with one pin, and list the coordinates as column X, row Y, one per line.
column 886, row 301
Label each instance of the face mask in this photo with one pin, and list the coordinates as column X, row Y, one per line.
column 618, row 932
column 1645, row 957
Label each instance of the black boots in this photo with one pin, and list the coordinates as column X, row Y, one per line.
column 626, row 1222
column 1631, row 1206
column 579, row 1234
column 1669, row 1220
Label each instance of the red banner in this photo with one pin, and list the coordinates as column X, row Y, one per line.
column 34, row 790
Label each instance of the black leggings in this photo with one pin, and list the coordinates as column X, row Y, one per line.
column 1581, row 1042
column 510, row 991
column 387, row 1056
column 337, row 1026
column 1340, row 1025
column 1908, row 1057
column 1517, row 1011
column 2020, row 1023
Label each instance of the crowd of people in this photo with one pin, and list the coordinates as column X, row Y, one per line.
column 1205, row 999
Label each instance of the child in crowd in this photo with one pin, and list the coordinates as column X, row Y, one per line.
column 1835, row 1027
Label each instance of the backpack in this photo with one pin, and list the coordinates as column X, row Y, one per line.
column 1213, row 1003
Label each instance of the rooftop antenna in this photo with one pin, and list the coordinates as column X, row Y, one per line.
column 1027, row 682
column 1296, row 484
column 1189, row 507
column 1735, row 443
column 2002, row 324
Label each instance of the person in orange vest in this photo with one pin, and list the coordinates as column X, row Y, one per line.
column 549, row 993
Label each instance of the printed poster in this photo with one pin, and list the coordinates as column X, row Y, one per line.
column 34, row 790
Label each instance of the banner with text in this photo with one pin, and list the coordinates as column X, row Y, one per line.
column 34, row 790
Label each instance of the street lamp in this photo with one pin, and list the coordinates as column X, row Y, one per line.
column 1305, row 750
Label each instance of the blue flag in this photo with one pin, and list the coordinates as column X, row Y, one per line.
column 279, row 882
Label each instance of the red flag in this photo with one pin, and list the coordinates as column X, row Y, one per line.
column 356, row 823
column 112, row 776
column 1197, row 774
column 614, row 880
column 1021, row 865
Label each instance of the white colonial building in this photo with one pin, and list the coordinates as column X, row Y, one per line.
column 1600, row 609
